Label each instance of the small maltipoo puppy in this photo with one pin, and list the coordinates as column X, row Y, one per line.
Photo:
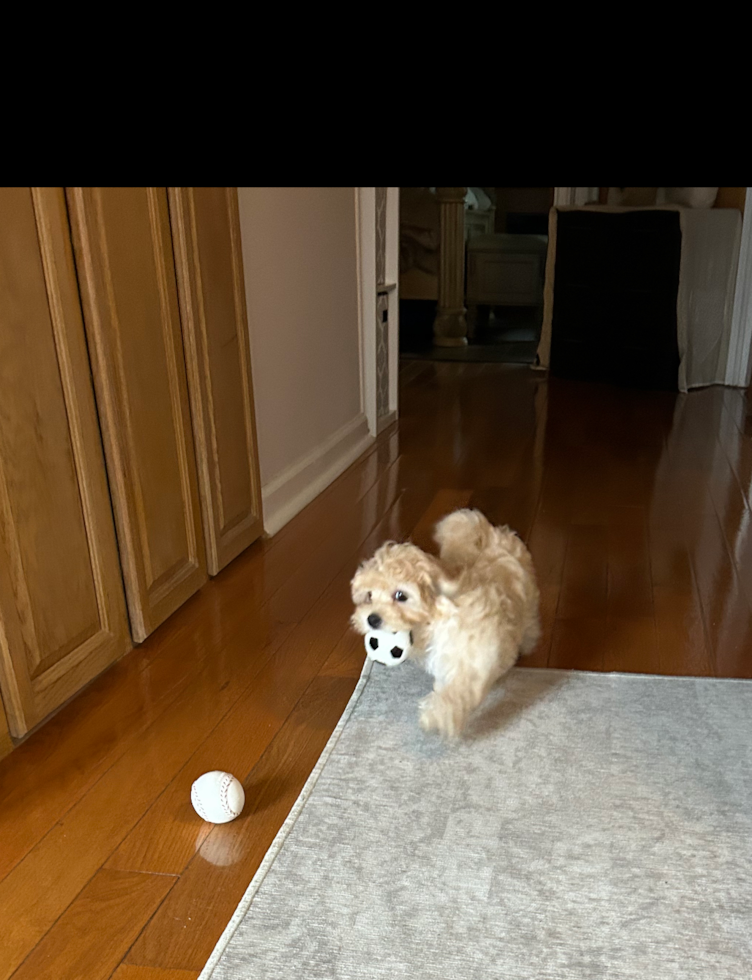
column 471, row 612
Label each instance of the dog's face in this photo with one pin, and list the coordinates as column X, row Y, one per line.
column 395, row 590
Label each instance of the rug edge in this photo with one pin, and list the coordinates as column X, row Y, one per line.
column 633, row 674
column 310, row 783
column 276, row 846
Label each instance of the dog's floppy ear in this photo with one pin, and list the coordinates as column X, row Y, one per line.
column 357, row 585
column 433, row 577
column 426, row 573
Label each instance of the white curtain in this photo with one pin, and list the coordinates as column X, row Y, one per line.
column 705, row 304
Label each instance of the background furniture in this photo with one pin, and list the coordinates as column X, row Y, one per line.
column 154, row 354
column 523, row 210
column 479, row 222
column 640, row 296
column 614, row 315
column 505, row 270
column 419, row 239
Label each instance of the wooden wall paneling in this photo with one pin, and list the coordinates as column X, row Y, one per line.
column 126, row 271
column 62, row 609
column 6, row 743
column 209, row 264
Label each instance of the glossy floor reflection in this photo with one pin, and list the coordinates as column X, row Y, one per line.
column 636, row 506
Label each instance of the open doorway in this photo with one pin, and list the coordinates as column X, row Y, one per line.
column 505, row 245
column 634, row 499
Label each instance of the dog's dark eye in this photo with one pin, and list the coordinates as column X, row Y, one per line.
column 400, row 596
column 368, row 596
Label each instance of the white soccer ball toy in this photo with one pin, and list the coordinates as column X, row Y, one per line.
column 386, row 647
column 217, row 797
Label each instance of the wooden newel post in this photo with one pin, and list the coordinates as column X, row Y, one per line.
column 450, row 325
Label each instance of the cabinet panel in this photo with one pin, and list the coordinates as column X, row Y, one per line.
column 209, row 262
column 62, row 612
column 126, row 270
column 6, row 745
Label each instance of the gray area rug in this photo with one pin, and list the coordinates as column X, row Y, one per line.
column 589, row 826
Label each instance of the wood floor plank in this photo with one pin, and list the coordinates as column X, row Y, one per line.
column 584, row 588
column 53, row 873
column 47, row 776
column 514, row 506
column 548, row 546
column 631, row 645
column 549, row 599
column 741, row 556
column 31, row 779
column 226, row 849
column 347, row 657
column 728, row 497
column 725, row 610
column 630, row 586
column 682, row 644
column 636, row 506
column 120, row 903
column 322, row 513
column 579, row 644
column 732, row 655
column 217, row 877
column 670, row 565
column 166, row 838
column 443, row 503
column 92, row 829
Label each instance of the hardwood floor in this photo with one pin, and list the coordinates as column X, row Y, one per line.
column 636, row 506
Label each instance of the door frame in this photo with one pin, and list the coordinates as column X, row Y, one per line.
column 391, row 285
column 365, row 241
column 365, row 218
column 739, row 363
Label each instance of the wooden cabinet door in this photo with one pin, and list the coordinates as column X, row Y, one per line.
column 206, row 239
column 126, row 271
column 6, row 745
column 62, row 610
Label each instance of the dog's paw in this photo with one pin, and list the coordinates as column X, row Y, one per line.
column 439, row 714
column 426, row 713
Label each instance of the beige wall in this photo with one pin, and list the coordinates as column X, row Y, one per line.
column 301, row 273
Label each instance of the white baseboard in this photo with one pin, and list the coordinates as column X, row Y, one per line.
column 297, row 485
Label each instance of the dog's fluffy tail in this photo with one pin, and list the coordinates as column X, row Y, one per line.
column 462, row 536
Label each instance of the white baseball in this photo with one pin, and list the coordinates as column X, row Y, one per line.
column 217, row 797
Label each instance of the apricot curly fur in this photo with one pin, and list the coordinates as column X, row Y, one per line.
column 472, row 610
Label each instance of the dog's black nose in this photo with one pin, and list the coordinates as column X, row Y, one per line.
column 374, row 621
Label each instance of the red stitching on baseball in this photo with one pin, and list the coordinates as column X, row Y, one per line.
column 197, row 805
column 224, row 792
